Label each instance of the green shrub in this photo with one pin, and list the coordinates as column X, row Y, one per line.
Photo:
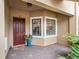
column 72, row 38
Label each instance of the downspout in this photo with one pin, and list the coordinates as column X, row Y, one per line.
column 76, row 6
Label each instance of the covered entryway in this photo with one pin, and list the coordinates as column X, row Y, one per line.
column 18, row 14
column 25, row 11
column 18, row 30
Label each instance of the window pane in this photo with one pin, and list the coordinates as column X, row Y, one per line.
column 36, row 27
column 51, row 27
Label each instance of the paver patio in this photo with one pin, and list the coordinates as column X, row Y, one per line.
column 37, row 52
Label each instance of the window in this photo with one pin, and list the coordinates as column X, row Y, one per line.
column 36, row 28
column 50, row 28
column 43, row 27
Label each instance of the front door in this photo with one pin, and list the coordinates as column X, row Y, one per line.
column 18, row 30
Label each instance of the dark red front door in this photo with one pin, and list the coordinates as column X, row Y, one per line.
column 18, row 30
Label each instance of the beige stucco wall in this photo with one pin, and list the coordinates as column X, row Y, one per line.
column 63, row 28
column 36, row 13
column 61, row 19
column 49, row 41
column 26, row 14
column 2, row 30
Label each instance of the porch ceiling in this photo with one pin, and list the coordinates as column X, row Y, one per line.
column 51, row 8
column 22, row 5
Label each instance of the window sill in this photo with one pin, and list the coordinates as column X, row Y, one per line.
column 51, row 36
column 37, row 36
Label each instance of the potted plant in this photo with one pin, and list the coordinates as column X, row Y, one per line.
column 28, row 40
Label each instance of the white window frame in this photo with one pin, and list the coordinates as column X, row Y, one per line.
column 47, row 36
column 31, row 18
column 43, row 26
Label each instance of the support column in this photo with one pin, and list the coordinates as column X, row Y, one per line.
column 2, row 30
column 72, row 22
